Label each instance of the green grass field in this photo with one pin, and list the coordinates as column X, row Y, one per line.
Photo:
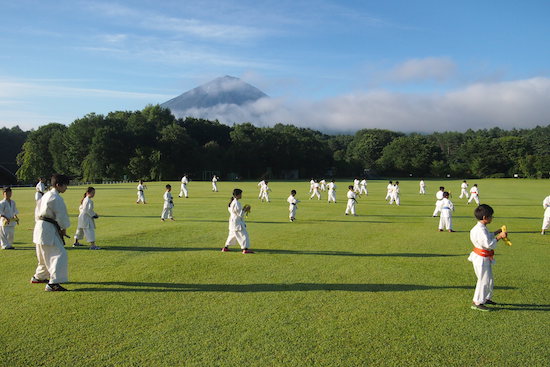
column 384, row 288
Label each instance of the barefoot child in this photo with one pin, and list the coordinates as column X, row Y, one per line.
column 237, row 226
column 481, row 256
column 446, row 217
column 86, row 220
column 8, row 220
column 168, row 204
column 140, row 194
column 293, row 205
column 350, row 208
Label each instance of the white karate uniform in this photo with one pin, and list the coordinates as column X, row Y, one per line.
column 316, row 191
column 9, row 210
column 350, row 208
column 265, row 193
column 546, row 206
column 52, row 258
column 86, row 221
column 331, row 192
column 261, row 185
column 463, row 190
column 422, row 187
column 183, row 190
column 389, row 189
column 237, row 226
column 395, row 195
column 323, row 184
column 168, row 205
column 482, row 239
column 140, row 194
column 446, row 217
column 356, row 188
column 474, row 194
column 311, row 186
column 214, row 185
column 292, row 207
column 363, row 187
column 439, row 197
column 40, row 189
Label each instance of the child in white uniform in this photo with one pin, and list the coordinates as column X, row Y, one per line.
column 323, row 184
column 474, row 194
column 481, row 257
column 332, row 191
column 86, row 220
column 52, row 221
column 292, row 205
column 140, row 194
column 446, row 217
column 214, row 185
column 463, row 190
column 546, row 220
column 389, row 190
column 422, row 187
column 8, row 220
column 40, row 189
column 439, row 197
column 350, row 208
column 363, row 187
column 237, row 226
column 168, row 204
column 265, row 193
column 356, row 188
column 261, row 185
column 395, row 194
column 316, row 191
column 183, row 190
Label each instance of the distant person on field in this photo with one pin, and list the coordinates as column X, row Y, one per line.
column 265, row 193
column 323, row 184
column 474, row 194
column 40, row 189
column 183, row 190
column 86, row 220
column 168, row 204
column 214, row 183
column 237, row 226
column 52, row 221
column 332, row 191
column 446, row 217
column 422, row 187
column 8, row 220
column 389, row 190
column 316, row 191
column 261, row 185
column 482, row 257
column 140, row 194
column 395, row 194
column 438, row 197
column 546, row 220
column 350, row 208
column 356, row 187
column 292, row 205
column 363, row 187
column 311, row 182
column 463, row 190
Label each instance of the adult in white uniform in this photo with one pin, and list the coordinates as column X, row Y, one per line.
column 438, row 197
column 316, row 191
column 265, row 192
column 356, row 188
column 395, row 194
column 86, row 220
column 463, row 190
column 363, row 187
column 422, row 187
column 214, row 183
column 140, row 194
column 52, row 221
column 168, row 204
column 482, row 258
column 237, row 227
column 261, row 185
column 332, row 192
column 292, row 205
column 350, row 207
column 546, row 220
column 40, row 189
column 183, row 190
column 8, row 220
column 389, row 190
column 446, row 217
column 474, row 194
column 311, row 182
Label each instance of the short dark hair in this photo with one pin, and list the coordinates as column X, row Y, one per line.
column 350, row 187
column 7, row 189
column 441, row 188
column 445, row 194
column 59, row 179
column 168, row 186
column 482, row 211
column 293, row 192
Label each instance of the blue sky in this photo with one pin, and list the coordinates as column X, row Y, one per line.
column 332, row 65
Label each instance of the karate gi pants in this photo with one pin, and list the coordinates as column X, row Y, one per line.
column 396, row 199
column 474, row 197
column 331, row 196
column 445, row 222
column 483, row 267
column 388, row 196
column 422, row 190
column 214, row 187
column 141, row 197
column 546, row 223
column 350, row 208
column 463, row 193
column 363, row 191
column 166, row 213
column 240, row 237
column 89, row 233
column 53, row 263
column 316, row 193
column 437, row 208
column 7, row 234
column 292, row 212
column 183, row 191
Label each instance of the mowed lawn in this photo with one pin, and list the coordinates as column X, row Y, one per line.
column 384, row 288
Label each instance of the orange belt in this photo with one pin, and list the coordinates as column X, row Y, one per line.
column 485, row 253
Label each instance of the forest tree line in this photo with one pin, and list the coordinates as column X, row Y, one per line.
column 152, row 144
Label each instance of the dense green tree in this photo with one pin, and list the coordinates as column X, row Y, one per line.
column 407, row 155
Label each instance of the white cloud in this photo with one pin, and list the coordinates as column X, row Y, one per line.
column 430, row 68
column 514, row 104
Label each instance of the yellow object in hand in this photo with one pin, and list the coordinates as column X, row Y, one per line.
column 505, row 239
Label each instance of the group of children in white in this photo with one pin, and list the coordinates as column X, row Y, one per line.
column 52, row 221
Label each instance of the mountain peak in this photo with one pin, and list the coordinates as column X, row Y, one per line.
column 222, row 90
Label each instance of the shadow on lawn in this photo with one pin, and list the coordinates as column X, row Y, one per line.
column 520, row 307
column 253, row 288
